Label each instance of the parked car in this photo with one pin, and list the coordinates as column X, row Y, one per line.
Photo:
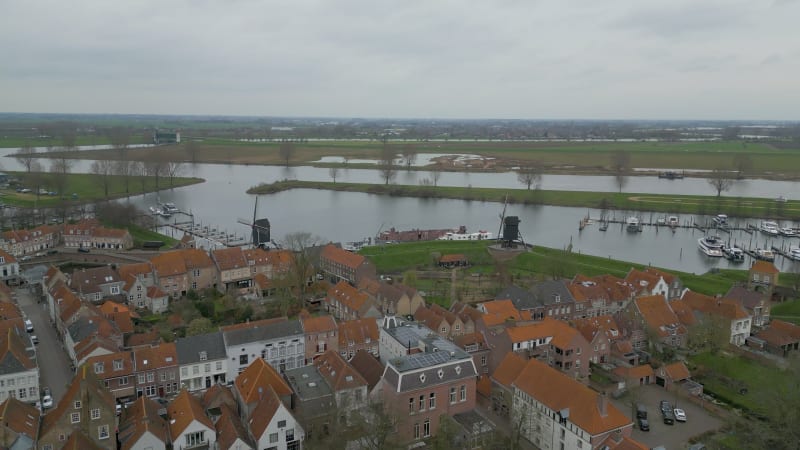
column 665, row 406
column 28, row 326
column 644, row 425
column 680, row 415
column 83, row 249
column 669, row 417
column 47, row 398
column 52, row 251
column 34, row 339
column 641, row 411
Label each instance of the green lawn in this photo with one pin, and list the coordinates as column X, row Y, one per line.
column 788, row 311
column 725, row 375
column 86, row 187
column 140, row 235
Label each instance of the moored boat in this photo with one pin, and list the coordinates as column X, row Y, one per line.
column 794, row 253
column 673, row 221
column 768, row 227
column 733, row 254
column 787, row 232
column 169, row 208
column 633, row 224
column 765, row 254
column 710, row 246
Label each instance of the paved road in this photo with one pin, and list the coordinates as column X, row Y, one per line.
column 54, row 365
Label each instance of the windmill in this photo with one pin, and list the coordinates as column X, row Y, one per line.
column 508, row 234
column 260, row 229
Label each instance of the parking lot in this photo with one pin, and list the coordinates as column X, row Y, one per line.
column 675, row 436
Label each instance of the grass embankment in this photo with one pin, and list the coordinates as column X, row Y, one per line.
column 569, row 157
column 678, row 204
column 788, row 311
column 141, row 235
column 87, row 187
column 55, row 142
column 539, row 262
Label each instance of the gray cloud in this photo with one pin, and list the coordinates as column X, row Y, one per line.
column 517, row 59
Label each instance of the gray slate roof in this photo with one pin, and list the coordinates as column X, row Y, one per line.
column 410, row 381
column 542, row 294
column 11, row 364
column 273, row 331
column 83, row 328
column 189, row 348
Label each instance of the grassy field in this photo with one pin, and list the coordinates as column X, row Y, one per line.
column 86, row 188
column 577, row 157
column 788, row 311
column 540, row 262
column 678, row 204
column 13, row 142
column 140, row 235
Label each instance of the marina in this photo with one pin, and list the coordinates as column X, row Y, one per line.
column 214, row 235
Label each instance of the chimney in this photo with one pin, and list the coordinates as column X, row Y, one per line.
column 602, row 404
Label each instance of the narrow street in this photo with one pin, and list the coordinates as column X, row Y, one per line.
column 54, row 365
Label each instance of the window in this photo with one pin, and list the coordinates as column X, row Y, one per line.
column 218, row 365
column 203, row 356
column 114, row 290
column 411, row 404
column 22, row 393
column 75, row 417
column 243, row 359
column 150, row 390
column 422, row 403
column 98, row 367
column 141, row 378
column 95, row 413
column 102, row 432
column 432, row 401
column 578, row 351
column 290, row 435
column 483, row 360
column 452, row 394
column 281, row 424
column 184, row 372
column 151, row 377
column 47, row 447
column 196, row 438
column 77, row 404
column 163, row 376
column 195, row 370
column 416, row 430
column 117, row 364
column 273, row 438
column 207, row 367
column 426, row 428
column 463, row 392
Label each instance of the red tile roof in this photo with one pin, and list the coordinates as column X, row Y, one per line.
column 509, row 369
column 256, row 378
column 182, row 411
column 358, row 331
column 229, row 258
column 20, row 417
column 339, row 374
column 562, row 334
column 336, row 254
column 764, row 267
column 677, row 371
column 727, row 308
column 265, row 410
column 499, row 312
column 348, row 296
column 659, row 316
column 316, row 325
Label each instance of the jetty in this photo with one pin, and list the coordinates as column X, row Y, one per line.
column 211, row 233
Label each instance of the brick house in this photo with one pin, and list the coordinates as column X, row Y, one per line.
column 116, row 371
column 601, row 332
column 728, row 313
column 359, row 334
column 87, row 409
column 763, row 277
column 546, row 299
column 475, row 344
column 90, row 234
column 179, row 271
column 96, row 284
column 600, row 295
column 445, row 323
column 322, row 334
column 233, row 270
column 757, row 304
column 20, row 425
column 347, row 303
column 348, row 386
column 656, row 315
column 157, row 370
column 392, row 298
column 28, row 242
column 9, row 269
column 341, row 265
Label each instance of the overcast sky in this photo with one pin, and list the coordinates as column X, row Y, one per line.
column 527, row 59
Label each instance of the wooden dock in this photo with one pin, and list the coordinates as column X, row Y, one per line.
column 210, row 233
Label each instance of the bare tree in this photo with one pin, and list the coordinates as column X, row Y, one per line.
column 620, row 165
column 120, row 139
column 125, row 169
column 387, row 168
column 139, row 169
column 192, row 150
column 173, row 169
column 376, row 428
column 157, row 168
column 286, row 150
column 62, row 164
column 103, row 170
column 333, row 172
column 743, row 164
column 530, row 175
column 35, row 178
column 409, row 154
column 710, row 334
column 26, row 156
column 720, row 180
column 301, row 272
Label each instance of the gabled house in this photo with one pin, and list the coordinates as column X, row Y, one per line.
column 116, row 371
column 19, row 424
column 671, row 375
column 202, row 360
column 557, row 411
column 97, row 284
column 233, row 270
column 780, row 337
column 188, row 424
column 279, row 341
column 728, row 313
column 272, row 425
column 28, row 242
column 142, row 428
column 546, row 299
column 763, row 277
column 251, row 385
column 142, row 271
column 89, row 233
column 322, row 334
column 502, row 313
column 392, row 298
column 231, row 433
column 156, row 370
column 179, row 271
column 347, row 303
column 348, row 386
column 601, row 333
column 445, row 323
column 359, row 334
column 341, row 265
column 756, row 304
column 156, row 300
column 85, row 408
column 19, row 373
column 502, row 378
column 652, row 281
column 91, row 335
column 371, row 369
column 9, row 269
column 475, row 344
column 599, row 295
column 656, row 315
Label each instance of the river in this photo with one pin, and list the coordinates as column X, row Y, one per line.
column 349, row 216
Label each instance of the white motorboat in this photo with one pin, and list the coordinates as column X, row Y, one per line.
column 765, row 254
column 768, row 227
column 794, row 253
column 170, row 208
column 673, row 221
column 787, row 232
column 633, row 224
column 720, row 220
column 733, row 254
column 710, row 246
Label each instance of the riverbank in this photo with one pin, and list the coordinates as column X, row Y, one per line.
column 759, row 160
column 81, row 188
column 668, row 204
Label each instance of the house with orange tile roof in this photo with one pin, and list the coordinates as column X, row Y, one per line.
column 500, row 313
column 600, row 295
column 252, row 384
column 392, row 298
column 601, row 332
column 371, row 369
column 179, row 271
column 729, row 313
column 272, row 424
column 635, row 375
column 651, row 281
column 91, row 335
column 676, row 375
column 656, row 315
column 780, row 337
column 322, row 334
column 19, row 372
column 502, row 378
column 553, row 341
column 341, row 265
column 348, row 386
column 231, row 432
column 345, row 302
column 156, row 370
column 763, row 277
column 90, row 234
column 117, row 371
column 134, row 290
column 451, row 260
column 87, row 409
column 9, row 269
column 189, row 426
column 28, row 242
column 141, row 426
column 556, row 409
column 475, row 344
column 233, row 270
column 143, row 271
column 359, row 334
column 19, row 424
column 445, row 323
column 757, row 304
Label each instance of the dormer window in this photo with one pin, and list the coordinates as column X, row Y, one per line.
column 422, row 378
column 440, row 374
column 458, row 370
column 203, row 356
